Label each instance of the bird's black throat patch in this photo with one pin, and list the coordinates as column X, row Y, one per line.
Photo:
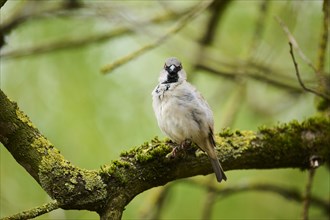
column 171, row 78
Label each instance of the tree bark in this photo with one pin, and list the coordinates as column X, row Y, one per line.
column 108, row 190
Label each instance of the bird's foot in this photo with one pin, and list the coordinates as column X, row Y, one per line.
column 179, row 150
column 186, row 144
column 176, row 152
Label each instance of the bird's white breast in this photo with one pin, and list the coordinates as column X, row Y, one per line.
column 178, row 111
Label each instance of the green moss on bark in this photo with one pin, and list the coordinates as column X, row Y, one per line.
column 148, row 151
column 114, row 185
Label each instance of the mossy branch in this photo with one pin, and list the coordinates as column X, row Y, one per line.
column 35, row 212
column 107, row 191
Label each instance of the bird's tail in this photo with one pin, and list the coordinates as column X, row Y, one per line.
column 218, row 170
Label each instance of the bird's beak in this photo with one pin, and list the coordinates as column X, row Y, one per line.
column 172, row 68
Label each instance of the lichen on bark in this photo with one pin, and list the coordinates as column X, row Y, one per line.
column 109, row 189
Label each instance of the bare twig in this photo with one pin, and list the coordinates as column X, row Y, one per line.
column 300, row 80
column 293, row 41
column 174, row 29
column 217, row 8
column 307, row 199
column 27, row 15
column 314, row 163
column 235, row 101
column 324, row 37
column 63, row 44
column 264, row 78
column 80, row 41
column 158, row 202
column 37, row 211
column 286, row 192
column 209, row 202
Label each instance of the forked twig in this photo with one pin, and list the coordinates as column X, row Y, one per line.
column 293, row 41
column 300, row 80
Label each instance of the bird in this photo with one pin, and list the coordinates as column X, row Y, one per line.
column 183, row 114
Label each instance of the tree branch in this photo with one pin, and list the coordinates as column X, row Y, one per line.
column 324, row 38
column 217, row 9
column 158, row 201
column 26, row 14
column 300, row 80
column 84, row 40
column 107, row 191
column 308, row 190
column 288, row 193
column 253, row 74
column 35, row 212
column 293, row 41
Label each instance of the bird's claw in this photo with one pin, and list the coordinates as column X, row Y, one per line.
column 179, row 150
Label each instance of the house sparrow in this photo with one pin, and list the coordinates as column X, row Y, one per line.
column 183, row 114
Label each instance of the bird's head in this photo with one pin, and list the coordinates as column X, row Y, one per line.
column 172, row 71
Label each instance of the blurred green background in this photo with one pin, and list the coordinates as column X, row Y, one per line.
column 92, row 117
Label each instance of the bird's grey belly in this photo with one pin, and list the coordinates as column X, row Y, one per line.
column 176, row 121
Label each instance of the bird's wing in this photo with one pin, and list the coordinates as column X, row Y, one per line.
column 206, row 108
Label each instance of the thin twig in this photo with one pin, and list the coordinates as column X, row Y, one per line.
column 300, row 80
column 217, row 9
column 307, row 199
column 324, row 37
column 177, row 27
column 291, row 194
column 293, row 41
column 63, row 44
column 264, row 78
column 80, row 41
column 154, row 211
column 32, row 213
column 209, row 203
column 27, row 15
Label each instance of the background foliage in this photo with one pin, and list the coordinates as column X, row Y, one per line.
column 92, row 117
